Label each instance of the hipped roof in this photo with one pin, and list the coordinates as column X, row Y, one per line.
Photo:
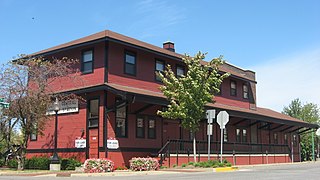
column 119, row 38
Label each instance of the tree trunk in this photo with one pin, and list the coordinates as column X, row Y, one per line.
column 194, row 148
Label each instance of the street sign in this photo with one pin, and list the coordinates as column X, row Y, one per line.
column 209, row 129
column 318, row 132
column 211, row 114
column 1, row 99
column 222, row 119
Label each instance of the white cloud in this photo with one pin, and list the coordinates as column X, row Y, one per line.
column 283, row 79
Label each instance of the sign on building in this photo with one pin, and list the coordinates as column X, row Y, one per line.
column 67, row 106
column 112, row 144
column 80, row 143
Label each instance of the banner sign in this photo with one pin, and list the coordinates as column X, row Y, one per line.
column 67, row 106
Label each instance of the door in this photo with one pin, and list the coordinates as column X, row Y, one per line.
column 171, row 130
column 93, row 143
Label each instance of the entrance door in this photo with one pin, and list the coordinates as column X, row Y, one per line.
column 93, row 143
column 171, row 130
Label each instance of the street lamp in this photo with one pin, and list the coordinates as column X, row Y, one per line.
column 55, row 159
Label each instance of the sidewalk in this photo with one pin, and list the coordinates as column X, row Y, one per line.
column 46, row 173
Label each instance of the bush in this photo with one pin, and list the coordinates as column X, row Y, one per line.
column 69, row 164
column 1, row 162
column 144, row 164
column 121, row 168
column 183, row 165
column 12, row 163
column 98, row 165
column 37, row 163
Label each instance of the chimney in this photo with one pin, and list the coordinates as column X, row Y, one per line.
column 168, row 45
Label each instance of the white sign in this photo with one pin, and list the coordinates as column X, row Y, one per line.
column 318, row 132
column 222, row 119
column 209, row 130
column 211, row 115
column 68, row 106
column 80, row 143
column 112, row 144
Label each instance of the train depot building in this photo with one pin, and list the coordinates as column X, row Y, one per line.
column 119, row 118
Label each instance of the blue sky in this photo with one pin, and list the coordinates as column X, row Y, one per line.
column 268, row 37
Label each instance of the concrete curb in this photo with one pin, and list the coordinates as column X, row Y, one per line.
column 225, row 169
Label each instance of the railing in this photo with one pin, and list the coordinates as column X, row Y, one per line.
column 178, row 147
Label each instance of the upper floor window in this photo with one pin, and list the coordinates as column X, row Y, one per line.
column 93, row 115
column 159, row 68
column 233, row 88
column 87, row 61
column 245, row 91
column 130, row 63
column 180, row 71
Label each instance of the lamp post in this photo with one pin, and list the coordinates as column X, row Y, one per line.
column 55, row 162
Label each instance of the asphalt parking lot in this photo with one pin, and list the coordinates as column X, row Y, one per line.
column 307, row 171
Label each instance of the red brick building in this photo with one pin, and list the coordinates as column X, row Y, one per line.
column 122, row 97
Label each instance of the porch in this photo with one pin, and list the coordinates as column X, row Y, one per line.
column 177, row 152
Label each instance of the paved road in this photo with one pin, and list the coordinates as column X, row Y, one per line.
column 303, row 171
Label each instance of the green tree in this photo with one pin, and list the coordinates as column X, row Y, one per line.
column 26, row 84
column 189, row 93
column 308, row 112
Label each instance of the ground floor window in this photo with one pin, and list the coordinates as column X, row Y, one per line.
column 140, row 127
column 285, row 139
column 93, row 113
column 275, row 138
column 146, row 121
column 121, row 120
column 151, row 128
column 241, row 135
column 225, row 135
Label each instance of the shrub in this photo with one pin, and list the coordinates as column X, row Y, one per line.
column 98, row 165
column 144, row 164
column 69, row 164
column 121, row 168
column 37, row 163
column 1, row 162
column 191, row 163
column 12, row 163
column 174, row 165
column 183, row 165
column 163, row 167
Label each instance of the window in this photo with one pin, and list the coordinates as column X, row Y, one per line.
column 180, row 71
column 233, row 88
column 285, row 139
column 159, row 68
column 241, row 135
column 151, row 128
column 130, row 63
column 238, row 135
column 87, row 61
column 93, row 116
column 121, row 121
column 140, row 127
column 244, row 135
column 275, row 138
column 34, row 132
column 294, row 140
column 245, row 91
column 225, row 135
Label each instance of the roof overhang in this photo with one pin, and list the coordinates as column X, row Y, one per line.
column 158, row 98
